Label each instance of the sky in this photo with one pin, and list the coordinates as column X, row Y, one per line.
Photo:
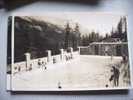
column 98, row 22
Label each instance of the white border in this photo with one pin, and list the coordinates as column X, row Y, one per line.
column 129, row 53
column 12, row 48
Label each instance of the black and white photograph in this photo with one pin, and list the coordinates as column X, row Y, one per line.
column 69, row 51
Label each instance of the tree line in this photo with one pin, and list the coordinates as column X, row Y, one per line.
column 120, row 32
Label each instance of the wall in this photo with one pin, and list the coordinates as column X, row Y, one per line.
column 33, row 63
column 116, row 6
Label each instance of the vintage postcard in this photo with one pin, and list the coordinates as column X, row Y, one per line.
column 69, row 51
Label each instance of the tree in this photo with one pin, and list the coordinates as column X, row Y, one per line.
column 67, row 35
column 122, row 29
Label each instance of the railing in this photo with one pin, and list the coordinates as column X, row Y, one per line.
column 34, row 63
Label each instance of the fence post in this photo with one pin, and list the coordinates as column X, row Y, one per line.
column 71, row 50
column 79, row 50
column 49, row 58
column 27, row 56
column 62, row 54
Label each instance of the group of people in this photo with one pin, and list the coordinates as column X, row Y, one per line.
column 68, row 57
column 42, row 64
column 116, row 72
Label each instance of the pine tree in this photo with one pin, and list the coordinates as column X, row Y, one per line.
column 125, row 30
column 67, row 34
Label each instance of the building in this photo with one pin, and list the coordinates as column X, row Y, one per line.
column 106, row 49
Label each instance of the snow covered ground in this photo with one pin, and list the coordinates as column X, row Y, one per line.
column 84, row 72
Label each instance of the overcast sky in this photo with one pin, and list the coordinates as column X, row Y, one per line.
column 99, row 22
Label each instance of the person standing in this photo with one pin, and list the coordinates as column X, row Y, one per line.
column 39, row 63
column 115, row 76
column 44, row 65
